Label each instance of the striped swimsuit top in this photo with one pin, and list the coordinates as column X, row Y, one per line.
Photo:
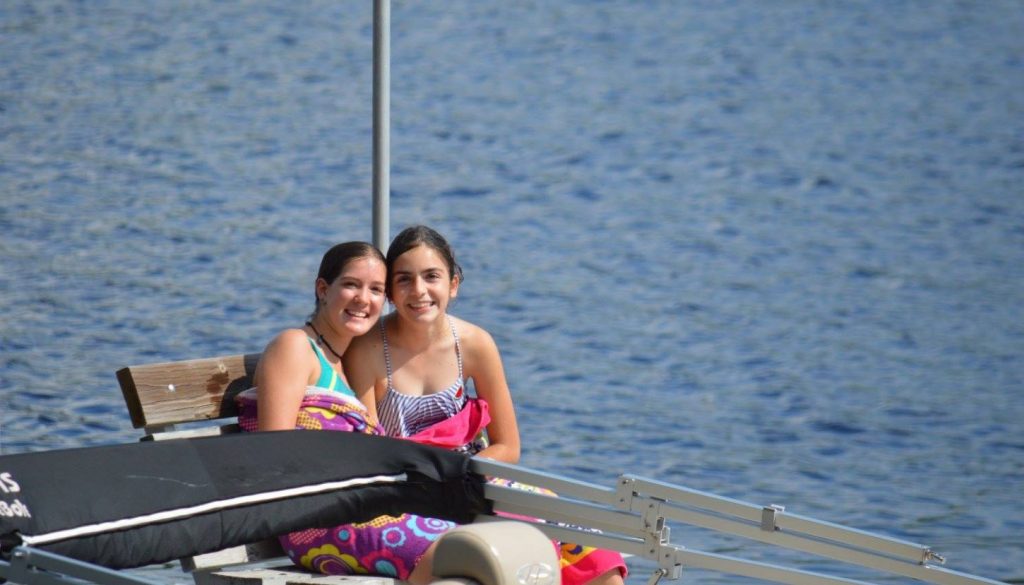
column 403, row 415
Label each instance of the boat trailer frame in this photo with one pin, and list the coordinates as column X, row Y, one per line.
column 633, row 517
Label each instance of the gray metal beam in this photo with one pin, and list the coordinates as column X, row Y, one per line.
column 381, row 124
column 632, row 518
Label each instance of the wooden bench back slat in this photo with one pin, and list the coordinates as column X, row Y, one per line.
column 186, row 391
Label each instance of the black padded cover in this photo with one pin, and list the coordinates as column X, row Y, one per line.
column 124, row 506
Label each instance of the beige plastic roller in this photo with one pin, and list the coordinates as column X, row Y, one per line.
column 496, row 553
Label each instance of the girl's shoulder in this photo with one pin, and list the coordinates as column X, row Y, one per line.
column 367, row 348
column 471, row 336
column 289, row 339
column 367, row 341
column 464, row 328
column 289, row 351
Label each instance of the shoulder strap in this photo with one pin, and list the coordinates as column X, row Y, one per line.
column 387, row 351
column 458, row 349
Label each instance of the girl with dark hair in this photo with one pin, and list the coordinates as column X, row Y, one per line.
column 350, row 291
column 428, row 354
column 299, row 379
column 411, row 373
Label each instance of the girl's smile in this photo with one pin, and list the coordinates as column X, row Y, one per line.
column 355, row 299
column 422, row 286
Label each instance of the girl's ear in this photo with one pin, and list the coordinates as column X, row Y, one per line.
column 454, row 292
column 321, row 289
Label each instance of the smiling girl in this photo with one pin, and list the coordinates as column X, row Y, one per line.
column 411, row 372
column 349, row 288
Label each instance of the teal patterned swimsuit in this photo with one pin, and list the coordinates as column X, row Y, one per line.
column 329, row 378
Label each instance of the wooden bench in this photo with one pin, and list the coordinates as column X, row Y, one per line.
column 195, row 398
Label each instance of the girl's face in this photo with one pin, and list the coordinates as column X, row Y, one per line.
column 353, row 302
column 421, row 285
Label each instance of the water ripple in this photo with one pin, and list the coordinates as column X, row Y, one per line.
column 770, row 251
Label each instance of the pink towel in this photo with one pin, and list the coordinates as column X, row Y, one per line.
column 458, row 430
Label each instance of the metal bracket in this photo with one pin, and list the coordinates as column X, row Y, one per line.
column 625, row 492
column 656, row 576
column 674, row 573
column 657, row 539
column 930, row 555
column 768, row 513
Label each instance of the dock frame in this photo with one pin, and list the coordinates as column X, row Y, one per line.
column 633, row 518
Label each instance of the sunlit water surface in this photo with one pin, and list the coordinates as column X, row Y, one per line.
column 773, row 251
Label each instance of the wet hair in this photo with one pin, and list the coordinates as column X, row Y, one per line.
column 421, row 235
column 339, row 257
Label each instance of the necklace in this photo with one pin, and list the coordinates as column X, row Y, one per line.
column 320, row 336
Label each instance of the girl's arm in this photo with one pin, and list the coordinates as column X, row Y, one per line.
column 282, row 374
column 485, row 368
column 361, row 369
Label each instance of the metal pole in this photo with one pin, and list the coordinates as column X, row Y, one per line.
column 381, row 123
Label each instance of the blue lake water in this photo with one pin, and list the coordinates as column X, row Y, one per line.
column 773, row 251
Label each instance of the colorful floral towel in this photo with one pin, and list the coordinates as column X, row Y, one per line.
column 320, row 410
column 388, row 545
